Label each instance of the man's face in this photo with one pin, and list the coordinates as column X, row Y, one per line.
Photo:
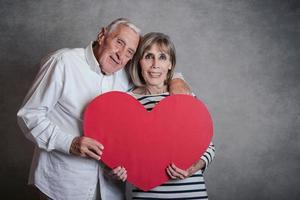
column 116, row 48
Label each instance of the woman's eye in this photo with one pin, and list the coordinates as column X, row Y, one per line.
column 148, row 56
column 163, row 57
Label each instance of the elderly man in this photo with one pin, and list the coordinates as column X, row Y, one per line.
column 66, row 164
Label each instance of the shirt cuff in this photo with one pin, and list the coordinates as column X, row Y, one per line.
column 206, row 163
column 63, row 142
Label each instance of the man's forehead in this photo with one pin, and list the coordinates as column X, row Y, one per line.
column 124, row 30
column 128, row 35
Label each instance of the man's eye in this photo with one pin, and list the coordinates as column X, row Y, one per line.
column 129, row 54
column 120, row 42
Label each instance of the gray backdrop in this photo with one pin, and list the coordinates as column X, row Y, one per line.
column 240, row 57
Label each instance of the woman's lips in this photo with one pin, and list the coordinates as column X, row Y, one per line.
column 154, row 74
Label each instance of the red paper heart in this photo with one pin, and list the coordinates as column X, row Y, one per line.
column 178, row 130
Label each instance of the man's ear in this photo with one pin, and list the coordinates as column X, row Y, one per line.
column 101, row 35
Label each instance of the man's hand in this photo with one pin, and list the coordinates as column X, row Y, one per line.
column 119, row 173
column 178, row 86
column 86, row 147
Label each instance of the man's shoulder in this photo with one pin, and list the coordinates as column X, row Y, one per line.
column 63, row 57
column 67, row 53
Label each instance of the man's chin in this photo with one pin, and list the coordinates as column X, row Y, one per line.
column 110, row 70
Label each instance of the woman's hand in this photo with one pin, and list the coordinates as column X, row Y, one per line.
column 119, row 173
column 176, row 173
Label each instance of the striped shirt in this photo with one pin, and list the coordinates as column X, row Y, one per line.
column 192, row 187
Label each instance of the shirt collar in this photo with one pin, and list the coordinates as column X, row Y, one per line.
column 91, row 59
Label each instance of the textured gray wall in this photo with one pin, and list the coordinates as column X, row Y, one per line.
column 241, row 57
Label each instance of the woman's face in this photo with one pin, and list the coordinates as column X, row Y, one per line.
column 155, row 65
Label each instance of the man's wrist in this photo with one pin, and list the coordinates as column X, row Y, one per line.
column 63, row 142
column 74, row 145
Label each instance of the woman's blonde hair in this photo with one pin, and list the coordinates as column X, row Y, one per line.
column 164, row 43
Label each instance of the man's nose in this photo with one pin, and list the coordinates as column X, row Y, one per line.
column 120, row 54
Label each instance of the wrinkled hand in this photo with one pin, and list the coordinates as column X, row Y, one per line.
column 86, row 147
column 177, row 173
column 178, row 86
column 119, row 173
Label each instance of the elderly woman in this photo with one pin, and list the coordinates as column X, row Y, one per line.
column 151, row 71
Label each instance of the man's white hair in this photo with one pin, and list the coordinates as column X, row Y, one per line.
column 113, row 25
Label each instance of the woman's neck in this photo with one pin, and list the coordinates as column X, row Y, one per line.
column 155, row 89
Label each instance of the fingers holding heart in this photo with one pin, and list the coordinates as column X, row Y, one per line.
column 86, row 147
column 176, row 173
column 119, row 173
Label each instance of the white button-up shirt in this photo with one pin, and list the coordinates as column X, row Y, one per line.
column 51, row 116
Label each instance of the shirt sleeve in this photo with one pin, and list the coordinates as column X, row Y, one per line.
column 208, row 155
column 40, row 100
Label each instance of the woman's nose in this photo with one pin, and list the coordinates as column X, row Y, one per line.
column 155, row 63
